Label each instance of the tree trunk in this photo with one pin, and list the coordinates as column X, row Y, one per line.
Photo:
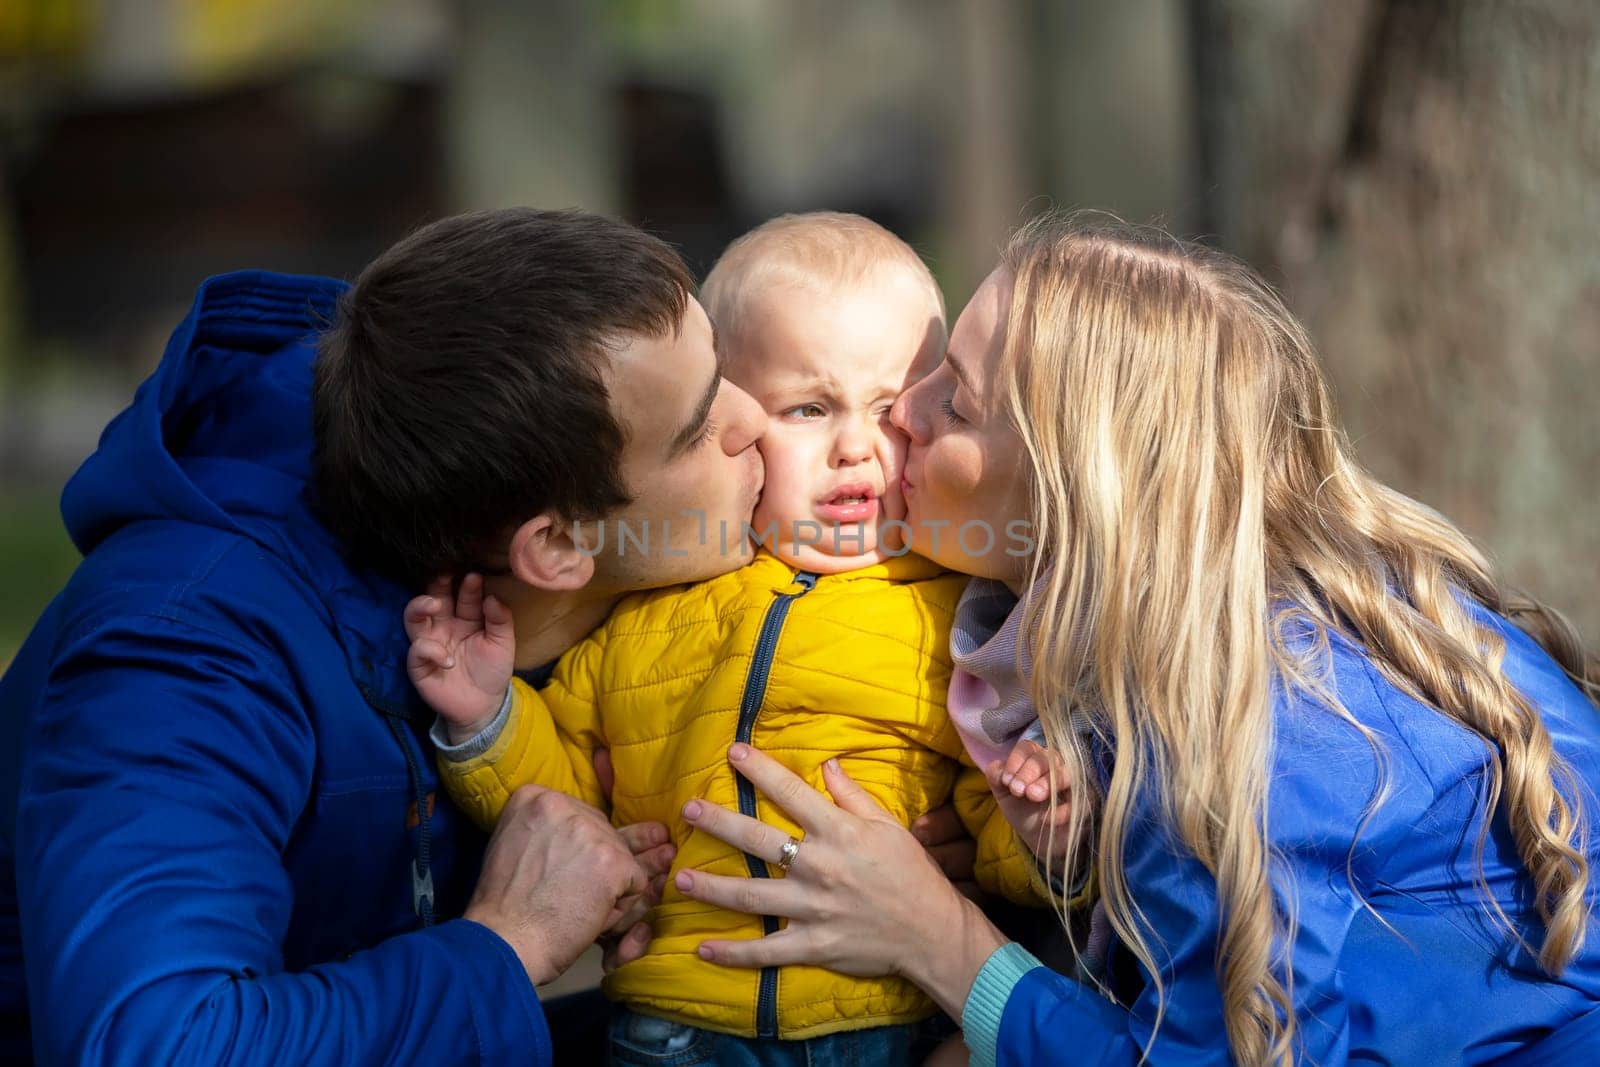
column 1424, row 178
column 531, row 118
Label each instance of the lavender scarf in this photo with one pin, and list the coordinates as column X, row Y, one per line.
column 991, row 704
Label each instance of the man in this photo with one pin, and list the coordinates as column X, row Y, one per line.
column 225, row 844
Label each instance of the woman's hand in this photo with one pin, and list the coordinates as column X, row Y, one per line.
column 861, row 896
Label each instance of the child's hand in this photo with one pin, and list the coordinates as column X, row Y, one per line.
column 462, row 653
column 1021, row 785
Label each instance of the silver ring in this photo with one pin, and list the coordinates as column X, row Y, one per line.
column 786, row 854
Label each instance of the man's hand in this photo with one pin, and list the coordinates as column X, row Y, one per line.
column 555, row 876
column 462, row 653
column 944, row 836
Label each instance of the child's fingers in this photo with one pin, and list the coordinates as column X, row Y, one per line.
column 1027, row 763
column 428, row 655
column 995, row 773
column 1017, row 761
column 1018, row 756
column 497, row 622
column 1034, row 768
column 1034, row 776
column 1039, row 791
column 1052, row 774
column 420, row 614
column 469, row 598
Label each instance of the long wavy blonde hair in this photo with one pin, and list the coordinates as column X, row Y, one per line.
column 1192, row 487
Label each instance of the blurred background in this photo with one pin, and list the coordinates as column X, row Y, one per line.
column 1421, row 177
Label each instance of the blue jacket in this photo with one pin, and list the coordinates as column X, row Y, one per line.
column 214, row 762
column 1441, row 985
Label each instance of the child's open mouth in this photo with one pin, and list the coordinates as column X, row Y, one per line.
column 849, row 503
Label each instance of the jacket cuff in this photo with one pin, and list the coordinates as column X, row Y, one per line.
column 506, row 1014
column 986, row 1003
column 478, row 743
column 1071, row 897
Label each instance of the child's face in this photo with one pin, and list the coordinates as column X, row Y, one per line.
column 826, row 368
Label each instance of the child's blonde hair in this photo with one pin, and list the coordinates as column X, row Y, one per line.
column 1193, row 490
column 821, row 251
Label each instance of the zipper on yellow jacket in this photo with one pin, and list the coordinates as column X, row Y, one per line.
column 755, row 694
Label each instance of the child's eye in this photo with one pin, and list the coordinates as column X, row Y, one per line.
column 706, row 434
column 804, row 411
column 949, row 410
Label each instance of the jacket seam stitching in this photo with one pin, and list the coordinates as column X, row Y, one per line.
column 249, row 652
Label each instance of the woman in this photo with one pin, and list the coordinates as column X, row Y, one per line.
column 1339, row 778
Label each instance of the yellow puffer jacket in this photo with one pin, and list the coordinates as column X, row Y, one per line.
column 859, row 669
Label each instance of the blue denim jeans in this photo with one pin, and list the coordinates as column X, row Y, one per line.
column 645, row 1041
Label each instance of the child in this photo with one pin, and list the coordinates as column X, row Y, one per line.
column 832, row 641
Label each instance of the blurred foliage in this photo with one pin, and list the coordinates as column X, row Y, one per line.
column 1418, row 177
column 217, row 39
column 44, row 28
column 642, row 17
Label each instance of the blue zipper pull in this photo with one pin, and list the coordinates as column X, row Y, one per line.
column 806, row 579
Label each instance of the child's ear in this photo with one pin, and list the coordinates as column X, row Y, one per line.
column 544, row 556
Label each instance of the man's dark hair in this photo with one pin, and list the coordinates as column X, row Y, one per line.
column 459, row 391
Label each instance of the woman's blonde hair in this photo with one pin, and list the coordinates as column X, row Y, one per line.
column 1193, row 491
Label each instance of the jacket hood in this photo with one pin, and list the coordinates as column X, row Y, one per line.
column 220, row 436
column 225, row 395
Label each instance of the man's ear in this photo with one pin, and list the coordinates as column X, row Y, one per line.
column 544, row 556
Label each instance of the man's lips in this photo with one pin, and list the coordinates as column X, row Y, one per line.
column 756, row 478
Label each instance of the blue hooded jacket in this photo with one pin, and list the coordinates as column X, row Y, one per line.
column 214, row 763
column 1396, row 955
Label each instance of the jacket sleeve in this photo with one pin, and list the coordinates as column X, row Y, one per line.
column 1022, row 1012
column 1004, row 865
column 549, row 739
column 166, row 770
